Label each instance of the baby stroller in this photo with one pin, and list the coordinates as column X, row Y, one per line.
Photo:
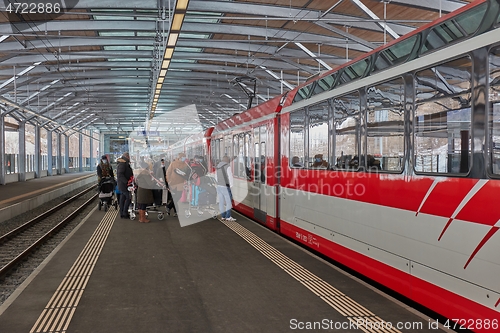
column 107, row 194
column 203, row 196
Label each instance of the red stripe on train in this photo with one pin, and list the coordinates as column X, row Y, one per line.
column 431, row 296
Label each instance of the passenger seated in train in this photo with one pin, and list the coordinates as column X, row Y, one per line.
column 296, row 162
column 372, row 163
column 354, row 162
column 319, row 162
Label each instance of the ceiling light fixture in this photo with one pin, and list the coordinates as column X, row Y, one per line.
column 173, row 35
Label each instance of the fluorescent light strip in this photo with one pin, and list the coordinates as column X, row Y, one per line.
column 177, row 22
column 172, row 39
column 175, row 27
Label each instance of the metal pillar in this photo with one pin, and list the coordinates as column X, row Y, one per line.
column 91, row 150
column 21, row 161
column 49, row 153
column 66, row 153
column 80, row 152
column 59, row 153
column 2, row 150
column 38, row 153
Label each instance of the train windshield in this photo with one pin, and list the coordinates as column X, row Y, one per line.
column 454, row 29
column 395, row 54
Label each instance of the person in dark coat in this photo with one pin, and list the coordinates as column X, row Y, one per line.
column 145, row 186
column 124, row 174
column 162, row 176
column 104, row 169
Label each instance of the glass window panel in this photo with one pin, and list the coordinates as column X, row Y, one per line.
column 29, row 147
column 318, row 136
column 247, row 154
column 227, row 148
column 116, row 33
column 443, row 118
column 455, row 28
column 354, row 71
column 236, row 151
column 297, row 138
column 385, row 126
column 74, row 150
column 256, row 132
column 470, row 20
column 303, row 93
column 494, row 99
column 193, row 35
column 395, row 54
column 324, row 84
column 11, row 144
column 263, row 166
column 346, row 117
column 114, row 18
column 44, row 148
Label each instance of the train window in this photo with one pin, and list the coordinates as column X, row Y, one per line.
column 354, row 71
column 297, row 138
column 443, row 118
column 215, row 152
column 395, row 54
column 455, row 28
column 494, row 102
column 385, row 126
column 236, row 155
column 263, row 164
column 318, row 135
column 247, row 155
column 257, row 152
column 303, row 93
column 227, row 147
column 346, row 117
column 324, row 84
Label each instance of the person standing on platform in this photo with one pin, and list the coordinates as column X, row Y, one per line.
column 177, row 173
column 124, row 173
column 145, row 186
column 224, row 179
column 161, row 174
column 104, row 169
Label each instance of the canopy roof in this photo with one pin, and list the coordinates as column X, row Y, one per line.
column 95, row 65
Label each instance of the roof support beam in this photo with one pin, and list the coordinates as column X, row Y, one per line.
column 383, row 25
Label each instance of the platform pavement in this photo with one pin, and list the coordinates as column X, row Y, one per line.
column 160, row 277
column 17, row 198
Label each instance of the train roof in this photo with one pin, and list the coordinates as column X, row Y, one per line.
column 358, row 68
column 254, row 114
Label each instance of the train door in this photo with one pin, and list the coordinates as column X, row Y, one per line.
column 259, row 176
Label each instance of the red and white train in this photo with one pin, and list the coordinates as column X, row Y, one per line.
column 389, row 164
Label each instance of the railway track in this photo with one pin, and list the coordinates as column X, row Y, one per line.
column 18, row 244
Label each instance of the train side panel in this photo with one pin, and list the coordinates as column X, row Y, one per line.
column 402, row 231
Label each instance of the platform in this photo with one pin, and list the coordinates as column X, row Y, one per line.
column 118, row 275
column 19, row 197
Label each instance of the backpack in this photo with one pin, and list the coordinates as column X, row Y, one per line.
column 185, row 172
